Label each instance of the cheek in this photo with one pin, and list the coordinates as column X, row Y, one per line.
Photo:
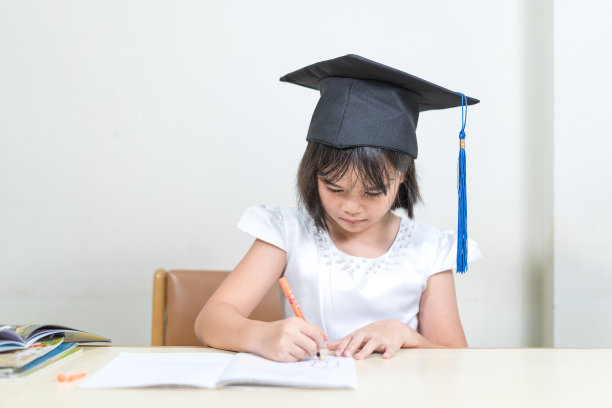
column 325, row 197
column 384, row 203
column 322, row 194
column 392, row 196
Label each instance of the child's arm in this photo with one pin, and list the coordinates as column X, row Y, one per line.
column 439, row 320
column 223, row 322
column 439, row 325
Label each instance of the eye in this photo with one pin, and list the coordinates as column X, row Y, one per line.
column 334, row 190
column 373, row 194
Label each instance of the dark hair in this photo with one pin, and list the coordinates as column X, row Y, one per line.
column 373, row 167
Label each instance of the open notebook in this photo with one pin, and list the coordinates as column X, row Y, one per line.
column 211, row 370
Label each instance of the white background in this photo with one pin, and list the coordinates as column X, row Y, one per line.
column 134, row 133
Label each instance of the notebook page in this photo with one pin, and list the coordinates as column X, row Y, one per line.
column 330, row 372
column 130, row 370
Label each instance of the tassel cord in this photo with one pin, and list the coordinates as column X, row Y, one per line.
column 462, row 238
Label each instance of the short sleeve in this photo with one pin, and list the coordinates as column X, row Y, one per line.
column 265, row 222
column 446, row 254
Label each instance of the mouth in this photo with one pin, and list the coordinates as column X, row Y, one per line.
column 351, row 221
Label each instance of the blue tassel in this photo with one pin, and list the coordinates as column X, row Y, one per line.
column 462, row 237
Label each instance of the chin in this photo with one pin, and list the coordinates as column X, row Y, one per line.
column 353, row 227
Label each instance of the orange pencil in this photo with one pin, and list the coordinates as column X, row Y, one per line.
column 293, row 302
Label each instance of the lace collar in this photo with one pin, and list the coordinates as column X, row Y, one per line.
column 337, row 259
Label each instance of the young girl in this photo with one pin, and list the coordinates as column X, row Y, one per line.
column 367, row 279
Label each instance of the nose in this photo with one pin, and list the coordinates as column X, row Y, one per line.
column 351, row 206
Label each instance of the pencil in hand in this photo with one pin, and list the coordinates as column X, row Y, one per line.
column 293, row 302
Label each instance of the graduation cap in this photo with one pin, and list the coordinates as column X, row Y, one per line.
column 365, row 103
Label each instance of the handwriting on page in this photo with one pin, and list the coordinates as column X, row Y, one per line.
column 325, row 364
column 329, row 372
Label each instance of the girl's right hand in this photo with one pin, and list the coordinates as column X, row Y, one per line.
column 291, row 339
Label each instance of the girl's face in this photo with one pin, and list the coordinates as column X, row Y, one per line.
column 353, row 206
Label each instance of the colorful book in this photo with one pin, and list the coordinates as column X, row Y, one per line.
column 60, row 352
column 21, row 357
column 22, row 336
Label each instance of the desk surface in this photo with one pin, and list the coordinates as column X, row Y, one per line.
column 417, row 378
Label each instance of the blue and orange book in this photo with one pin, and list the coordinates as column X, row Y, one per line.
column 25, row 349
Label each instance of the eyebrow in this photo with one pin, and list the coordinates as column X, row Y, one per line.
column 375, row 188
column 331, row 183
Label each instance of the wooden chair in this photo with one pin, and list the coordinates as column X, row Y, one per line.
column 178, row 297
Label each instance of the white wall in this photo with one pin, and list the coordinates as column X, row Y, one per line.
column 583, row 196
column 134, row 134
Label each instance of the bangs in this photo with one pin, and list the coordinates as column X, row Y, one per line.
column 369, row 166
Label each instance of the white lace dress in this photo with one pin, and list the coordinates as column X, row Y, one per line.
column 342, row 293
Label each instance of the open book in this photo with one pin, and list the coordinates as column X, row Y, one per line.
column 210, row 370
column 21, row 336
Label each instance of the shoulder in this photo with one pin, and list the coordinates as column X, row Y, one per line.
column 275, row 214
column 262, row 211
column 275, row 225
column 424, row 234
column 438, row 248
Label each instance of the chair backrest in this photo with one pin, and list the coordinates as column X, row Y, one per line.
column 178, row 297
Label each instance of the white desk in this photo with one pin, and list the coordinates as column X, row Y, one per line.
column 413, row 378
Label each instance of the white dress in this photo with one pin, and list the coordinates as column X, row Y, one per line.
column 343, row 293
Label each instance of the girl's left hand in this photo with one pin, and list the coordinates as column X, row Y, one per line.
column 386, row 336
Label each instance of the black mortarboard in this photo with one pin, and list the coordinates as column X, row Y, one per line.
column 365, row 103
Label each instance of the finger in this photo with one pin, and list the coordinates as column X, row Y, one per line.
column 333, row 345
column 366, row 350
column 353, row 345
column 341, row 346
column 293, row 357
column 389, row 351
column 314, row 332
column 284, row 356
column 308, row 346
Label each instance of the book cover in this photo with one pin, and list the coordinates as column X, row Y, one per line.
column 21, row 336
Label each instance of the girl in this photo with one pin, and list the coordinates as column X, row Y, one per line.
column 367, row 279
